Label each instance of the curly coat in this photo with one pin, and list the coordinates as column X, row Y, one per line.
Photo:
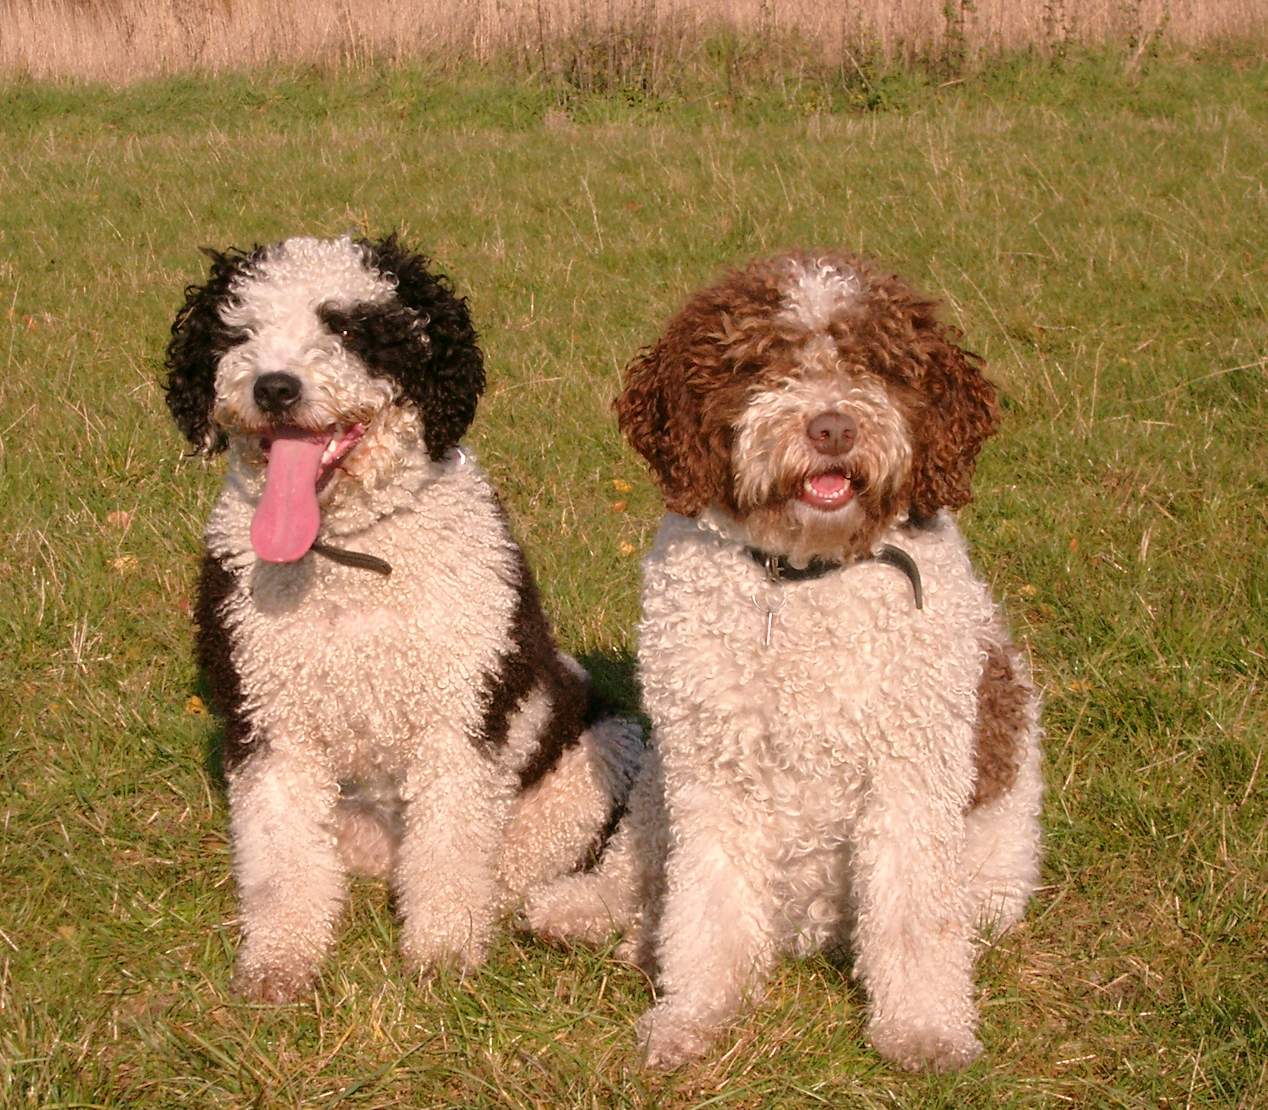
column 401, row 709
column 830, row 763
column 683, row 395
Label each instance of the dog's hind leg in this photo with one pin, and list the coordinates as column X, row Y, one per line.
column 1002, row 849
column 368, row 828
column 574, row 808
column 614, row 890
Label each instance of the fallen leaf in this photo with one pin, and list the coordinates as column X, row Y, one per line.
column 618, row 506
column 196, row 707
column 621, row 485
column 626, row 549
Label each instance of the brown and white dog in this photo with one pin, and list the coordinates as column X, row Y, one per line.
column 845, row 739
column 392, row 697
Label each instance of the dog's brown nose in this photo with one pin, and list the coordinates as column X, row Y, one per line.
column 832, row 433
column 276, row 392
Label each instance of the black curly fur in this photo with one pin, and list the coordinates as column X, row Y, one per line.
column 422, row 340
column 199, row 339
column 443, row 377
column 213, row 645
column 529, row 660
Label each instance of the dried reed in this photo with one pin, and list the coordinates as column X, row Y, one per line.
column 119, row 41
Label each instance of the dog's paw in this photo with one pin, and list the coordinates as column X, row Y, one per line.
column 445, row 933
column 272, row 983
column 548, row 912
column 922, row 1046
column 573, row 907
column 426, row 957
column 668, row 1040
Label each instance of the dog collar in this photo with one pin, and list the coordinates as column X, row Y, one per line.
column 360, row 559
column 353, row 558
column 779, row 570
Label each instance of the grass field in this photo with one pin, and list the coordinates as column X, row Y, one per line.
column 1101, row 242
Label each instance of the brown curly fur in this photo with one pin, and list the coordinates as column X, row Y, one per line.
column 683, row 395
column 1003, row 695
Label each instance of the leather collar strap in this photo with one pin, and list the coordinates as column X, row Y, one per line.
column 360, row 559
column 354, row 559
column 779, row 570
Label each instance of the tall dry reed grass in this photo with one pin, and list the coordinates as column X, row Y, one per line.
column 120, row 41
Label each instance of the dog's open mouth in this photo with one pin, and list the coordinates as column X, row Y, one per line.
column 833, row 489
column 300, row 464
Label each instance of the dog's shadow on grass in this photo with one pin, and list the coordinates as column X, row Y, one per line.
column 613, row 676
column 214, row 742
column 614, row 683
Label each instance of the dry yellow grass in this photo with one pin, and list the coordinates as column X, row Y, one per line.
column 119, row 41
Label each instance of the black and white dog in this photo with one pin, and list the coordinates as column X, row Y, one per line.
column 392, row 697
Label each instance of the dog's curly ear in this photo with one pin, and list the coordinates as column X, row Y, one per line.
column 959, row 412
column 199, row 338
column 661, row 416
column 442, row 372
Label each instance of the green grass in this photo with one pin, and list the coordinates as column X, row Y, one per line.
column 1101, row 242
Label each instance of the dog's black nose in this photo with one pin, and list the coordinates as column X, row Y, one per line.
column 276, row 392
column 832, row 433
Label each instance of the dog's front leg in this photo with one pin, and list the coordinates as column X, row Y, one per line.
column 715, row 939
column 446, row 877
column 912, row 935
column 290, row 881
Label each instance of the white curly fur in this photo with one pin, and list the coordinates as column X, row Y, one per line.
column 816, row 290
column 364, row 695
column 816, row 791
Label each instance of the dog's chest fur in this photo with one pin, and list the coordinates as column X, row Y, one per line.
column 853, row 670
column 360, row 665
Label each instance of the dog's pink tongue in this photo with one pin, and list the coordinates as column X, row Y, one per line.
column 828, row 485
column 287, row 519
